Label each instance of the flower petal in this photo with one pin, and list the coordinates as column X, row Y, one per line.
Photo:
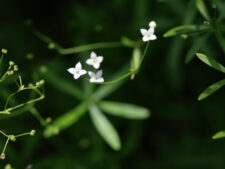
column 76, row 76
column 153, row 37
column 71, row 70
column 99, row 74
column 92, row 80
column 143, row 31
column 145, row 39
column 78, row 66
column 89, row 61
column 100, row 80
column 91, row 74
column 93, row 55
column 83, row 72
column 96, row 65
column 151, row 30
column 100, row 59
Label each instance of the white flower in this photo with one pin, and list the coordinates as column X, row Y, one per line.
column 94, row 60
column 148, row 34
column 152, row 24
column 77, row 71
column 96, row 77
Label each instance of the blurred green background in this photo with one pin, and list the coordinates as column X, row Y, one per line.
column 178, row 133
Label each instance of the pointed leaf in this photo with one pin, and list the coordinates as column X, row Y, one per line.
column 125, row 110
column 136, row 55
column 211, row 89
column 220, row 39
column 66, row 120
column 202, row 9
column 195, row 47
column 185, row 29
column 219, row 135
column 105, row 128
column 211, row 62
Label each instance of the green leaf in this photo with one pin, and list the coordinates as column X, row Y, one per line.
column 66, row 120
column 211, row 62
column 125, row 110
column 211, row 89
column 105, row 128
column 220, row 39
column 136, row 55
column 202, row 9
column 195, row 47
column 63, row 85
column 219, row 135
column 185, row 29
column 128, row 42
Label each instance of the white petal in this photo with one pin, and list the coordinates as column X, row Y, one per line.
column 83, row 72
column 151, row 30
column 153, row 37
column 71, row 70
column 96, row 65
column 93, row 55
column 92, row 80
column 143, row 31
column 100, row 80
column 145, row 39
column 100, row 59
column 99, row 74
column 152, row 24
column 78, row 66
column 89, row 61
column 76, row 76
column 91, row 74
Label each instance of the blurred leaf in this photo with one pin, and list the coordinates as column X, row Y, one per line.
column 128, row 42
column 63, row 85
column 105, row 128
column 125, row 110
column 66, row 120
column 220, row 39
column 211, row 89
column 105, row 90
column 195, row 47
column 202, row 9
column 136, row 55
column 219, row 135
column 211, row 62
column 185, row 29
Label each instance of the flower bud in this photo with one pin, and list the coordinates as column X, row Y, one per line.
column 184, row 36
column 15, row 68
column 11, row 63
column 32, row 133
column 10, row 72
column 2, row 157
column 51, row 45
column 4, row 51
column 48, row 120
column 12, row 138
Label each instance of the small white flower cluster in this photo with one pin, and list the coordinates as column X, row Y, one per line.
column 94, row 61
column 149, row 34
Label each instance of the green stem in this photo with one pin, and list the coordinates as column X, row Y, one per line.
column 143, row 56
column 7, row 141
column 4, row 134
column 93, row 46
column 24, row 134
column 38, row 116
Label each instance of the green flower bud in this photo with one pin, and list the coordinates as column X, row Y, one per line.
column 11, row 63
column 4, row 51
column 15, row 68
column 12, row 138
column 32, row 133
column 10, row 72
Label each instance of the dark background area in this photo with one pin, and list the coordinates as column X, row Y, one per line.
column 176, row 136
